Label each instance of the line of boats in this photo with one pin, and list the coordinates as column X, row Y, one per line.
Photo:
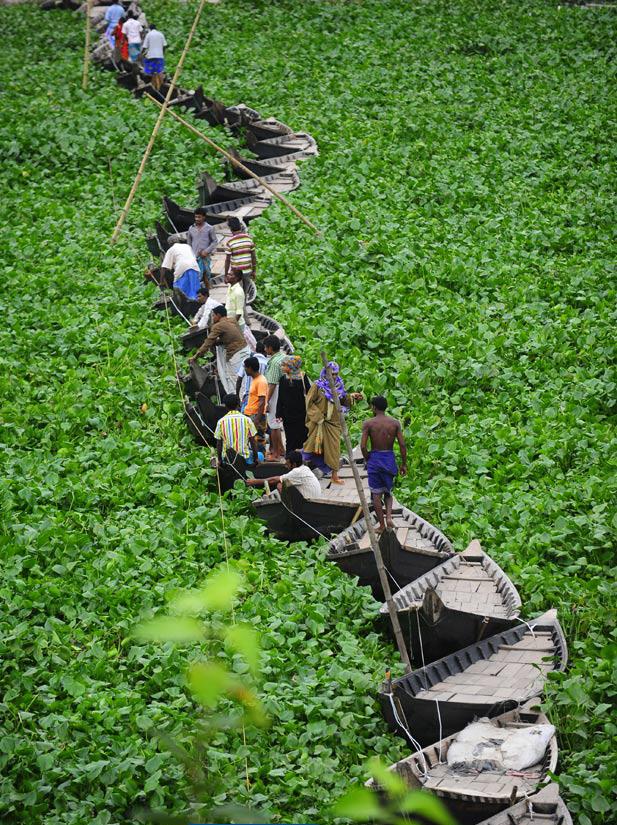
column 470, row 709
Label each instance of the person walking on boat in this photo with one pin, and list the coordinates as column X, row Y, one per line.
column 180, row 260
column 276, row 356
column 382, row 431
column 132, row 28
column 232, row 347
column 154, row 56
column 323, row 445
column 113, row 15
column 202, row 238
column 235, row 433
column 240, row 249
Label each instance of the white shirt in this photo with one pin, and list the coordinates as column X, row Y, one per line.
column 202, row 319
column 304, row 480
column 234, row 303
column 180, row 257
column 154, row 44
column 133, row 29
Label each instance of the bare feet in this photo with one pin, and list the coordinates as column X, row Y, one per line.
column 390, row 524
column 336, row 479
column 380, row 529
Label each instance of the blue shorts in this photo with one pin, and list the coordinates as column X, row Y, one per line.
column 382, row 469
column 154, row 65
column 205, row 267
column 188, row 282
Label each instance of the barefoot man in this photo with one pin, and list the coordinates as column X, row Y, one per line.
column 382, row 430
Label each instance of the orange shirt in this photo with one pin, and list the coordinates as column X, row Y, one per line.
column 258, row 389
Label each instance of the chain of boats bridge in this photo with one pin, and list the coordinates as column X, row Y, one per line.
column 474, row 655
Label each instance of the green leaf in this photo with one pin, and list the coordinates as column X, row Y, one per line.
column 359, row 804
column 426, row 805
column 208, row 681
column 170, row 629
column 220, row 589
column 244, row 640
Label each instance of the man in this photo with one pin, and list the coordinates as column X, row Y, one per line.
column 236, row 432
column 207, row 304
column 382, row 431
column 240, row 249
column 113, row 15
column 257, row 397
column 225, row 332
column 298, row 476
column 132, row 28
column 272, row 346
column 154, row 51
column 243, row 381
column 202, row 238
column 180, row 260
column 235, row 303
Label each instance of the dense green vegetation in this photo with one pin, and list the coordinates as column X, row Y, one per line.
column 465, row 191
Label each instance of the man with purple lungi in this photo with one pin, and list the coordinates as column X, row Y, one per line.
column 382, row 430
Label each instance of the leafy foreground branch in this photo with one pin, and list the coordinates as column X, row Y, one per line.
column 214, row 685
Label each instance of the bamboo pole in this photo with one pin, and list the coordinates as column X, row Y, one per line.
column 84, row 76
column 383, row 578
column 157, row 125
column 239, row 165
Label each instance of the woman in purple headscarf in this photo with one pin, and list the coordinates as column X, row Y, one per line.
column 323, row 445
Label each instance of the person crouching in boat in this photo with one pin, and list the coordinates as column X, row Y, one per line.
column 206, row 305
column 298, row 476
column 235, row 434
column 382, row 431
column 154, row 56
column 323, row 445
column 180, row 260
column 232, row 352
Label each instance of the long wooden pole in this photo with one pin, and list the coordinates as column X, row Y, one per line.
column 238, row 164
column 157, row 125
column 84, row 76
column 383, row 577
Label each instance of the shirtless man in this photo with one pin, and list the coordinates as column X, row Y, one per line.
column 382, row 430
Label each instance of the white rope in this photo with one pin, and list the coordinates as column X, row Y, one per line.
column 412, row 741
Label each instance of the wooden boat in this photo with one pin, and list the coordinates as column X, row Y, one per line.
column 196, row 425
column 210, row 191
column 248, row 207
column 154, row 247
column 409, row 551
column 471, row 790
column 292, row 517
column 260, row 326
column 211, row 412
column 298, row 143
column 457, row 603
column 195, row 378
column 255, row 166
column 484, row 679
column 264, row 129
column 545, row 807
column 239, row 115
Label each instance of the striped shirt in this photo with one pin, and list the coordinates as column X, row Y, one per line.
column 239, row 247
column 234, row 430
column 273, row 370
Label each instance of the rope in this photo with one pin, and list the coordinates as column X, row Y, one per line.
column 412, row 741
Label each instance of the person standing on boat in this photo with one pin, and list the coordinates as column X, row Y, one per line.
column 236, row 305
column 323, row 445
column 236, row 432
column 291, row 406
column 132, row 28
column 232, row 350
column 243, row 380
column 180, row 260
column 113, row 15
column 203, row 241
column 257, row 398
column 276, row 356
column 240, row 249
column 382, row 431
column 154, row 56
